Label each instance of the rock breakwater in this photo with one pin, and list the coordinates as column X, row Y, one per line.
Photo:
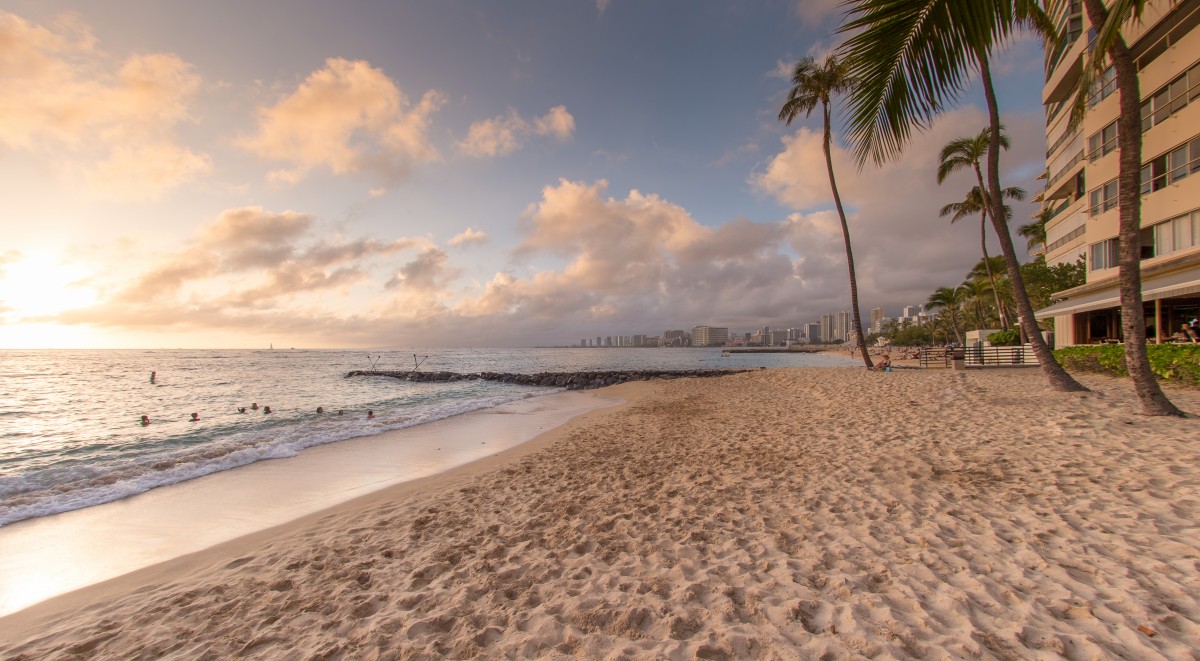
column 567, row 380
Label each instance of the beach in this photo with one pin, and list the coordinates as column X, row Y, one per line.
column 782, row 513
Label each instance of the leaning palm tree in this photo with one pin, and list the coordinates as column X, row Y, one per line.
column 949, row 299
column 976, row 291
column 976, row 203
column 914, row 58
column 1111, row 43
column 814, row 84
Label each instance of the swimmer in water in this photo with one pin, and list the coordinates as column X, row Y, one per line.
column 266, row 410
column 195, row 417
column 370, row 414
column 145, row 421
column 241, row 409
column 254, row 406
column 340, row 412
column 320, row 409
column 152, row 376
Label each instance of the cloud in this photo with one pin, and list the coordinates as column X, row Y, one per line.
column 903, row 250
column 349, row 117
column 814, row 13
column 113, row 121
column 602, row 5
column 467, row 237
column 500, row 136
column 249, row 257
column 639, row 261
column 736, row 154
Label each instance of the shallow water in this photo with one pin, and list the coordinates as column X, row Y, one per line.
column 70, row 435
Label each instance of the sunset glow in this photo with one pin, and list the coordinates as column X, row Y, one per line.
column 449, row 174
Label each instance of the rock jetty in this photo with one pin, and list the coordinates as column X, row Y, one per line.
column 567, row 380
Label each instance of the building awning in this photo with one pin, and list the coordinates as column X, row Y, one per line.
column 1172, row 285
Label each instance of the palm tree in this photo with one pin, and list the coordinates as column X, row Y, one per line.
column 1110, row 42
column 914, row 58
column 948, row 298
column 976, row 203
column 1035, row 232
column 976, row 290
column 814, row 84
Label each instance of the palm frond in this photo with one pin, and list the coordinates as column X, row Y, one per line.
column 914, row 58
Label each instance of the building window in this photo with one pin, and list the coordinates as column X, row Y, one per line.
column 1104, row 85
column 1103, row 198
column 1102, row 142
column 1171, row 167
column 1171, row 98
column 1176, row 234
column 1103, row 255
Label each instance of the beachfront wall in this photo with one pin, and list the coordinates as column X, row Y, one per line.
column 1082, row 167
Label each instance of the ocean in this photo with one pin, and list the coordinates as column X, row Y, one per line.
column 71, row 436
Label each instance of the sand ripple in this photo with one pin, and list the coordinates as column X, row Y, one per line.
column 811, row 513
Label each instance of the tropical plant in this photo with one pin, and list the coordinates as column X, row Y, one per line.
column 1035, row 233
column 976, row 291
column 976, row 203
column 949, row 299
column 914, row 58
column 814, row 84
column 1111, row 43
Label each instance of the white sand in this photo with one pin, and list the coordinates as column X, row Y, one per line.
column 808, row 513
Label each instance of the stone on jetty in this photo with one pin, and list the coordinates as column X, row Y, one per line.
column 567, row 380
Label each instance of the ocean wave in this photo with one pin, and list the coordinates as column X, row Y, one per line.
column 62, row 489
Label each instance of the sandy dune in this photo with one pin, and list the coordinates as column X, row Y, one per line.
column 809, row 513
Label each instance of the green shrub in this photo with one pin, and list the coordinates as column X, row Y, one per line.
column 1173, row 363
column 1006, row 338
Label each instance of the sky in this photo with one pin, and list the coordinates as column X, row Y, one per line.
column 438, row 174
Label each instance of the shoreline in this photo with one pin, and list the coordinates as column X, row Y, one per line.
column 43, row 557
column 788, row 512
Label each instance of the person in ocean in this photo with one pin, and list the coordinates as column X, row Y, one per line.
column 370, row 415
column 195, row 417
column 266, row 410
column 340, row 412
column 320, row 409
column 241, row 409
column 254, row 406
column 152, row 376
column 145, row 421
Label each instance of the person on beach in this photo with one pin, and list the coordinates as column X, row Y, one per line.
column 884, row 363
column 254, row 406
column 370, row 415
column 266, row 410
column 145, row 421
column 195, row 417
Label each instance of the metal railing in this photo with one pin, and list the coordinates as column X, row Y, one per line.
column 1018, row 356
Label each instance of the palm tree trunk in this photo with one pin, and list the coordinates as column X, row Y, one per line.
column 1129, row 202
column 987, row 263
column 1055, row 374
column 954, row 323
column 837, row 201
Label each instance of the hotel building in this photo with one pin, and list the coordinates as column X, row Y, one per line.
column 1081, row 173
column 709, row 336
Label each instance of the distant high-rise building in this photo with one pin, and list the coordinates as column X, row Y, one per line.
column 876, row 319
column 777, row 338
column 676, row 338
column 812, row 332
column 709, row 336
column 842, row 326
